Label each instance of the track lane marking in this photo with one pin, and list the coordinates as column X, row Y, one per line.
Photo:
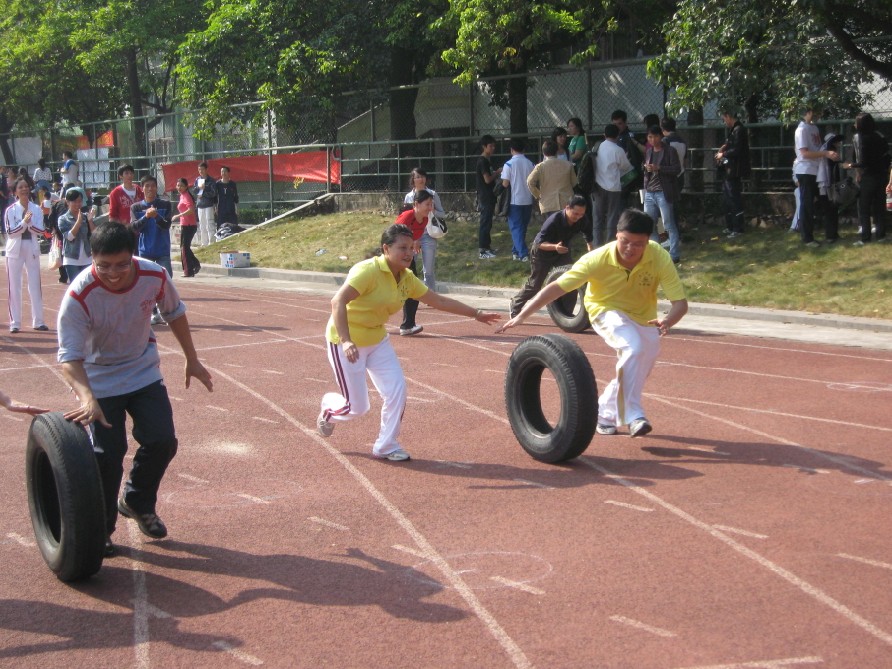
column 328, row 523
column 737, row 530
column 764, row 664
column 240, row 655
column 19, row 539
column 534, row 484
column 194, row 479
column 872, row 563
column 637, row 624
column 517, row 585
column 628, row 506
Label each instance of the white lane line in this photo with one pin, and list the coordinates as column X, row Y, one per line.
column 746, row 372
column 194, row 479
column 315, row 380
column 216, row 408
column 534, row 484
column 457, row 465
column 141, row 610
column 807, row 470
column 495, row 371
column 770, row 412
column 175, row 398
column 442, row 364
column 411, row 551
column 265, row 420
column 842, row 462
column 517, row 585
column 232, row 364
column 237, row 654
column 17, row 419
column 872, row 563
column 251, row 498
column 244, row 334
column 19, row 539
column 641, row 626
column 775, row 569
column 628, row 506
column 765, row 664
column 154, row 611
column 273, row 371
column 328, row 523
column 737, row 530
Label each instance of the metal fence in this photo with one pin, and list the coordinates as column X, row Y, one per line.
column 379, row 136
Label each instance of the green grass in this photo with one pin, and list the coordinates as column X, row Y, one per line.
column 766, row 268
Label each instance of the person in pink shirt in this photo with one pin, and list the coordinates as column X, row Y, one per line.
column 188, row 227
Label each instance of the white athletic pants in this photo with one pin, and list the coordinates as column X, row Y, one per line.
column 29, row 261
column 384, row 369
column 207, row 227
column 637, row 347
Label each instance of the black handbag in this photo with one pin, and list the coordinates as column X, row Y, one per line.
column 844, row 192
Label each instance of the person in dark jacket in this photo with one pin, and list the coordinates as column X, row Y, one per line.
column 151, row 220
column 872, row 166
column 733, row 158
column 661, row 170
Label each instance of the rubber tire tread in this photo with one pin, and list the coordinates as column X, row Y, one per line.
column 578, row 398
column 567, row 314
column 65, row 497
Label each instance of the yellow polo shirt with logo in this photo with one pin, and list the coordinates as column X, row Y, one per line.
column 380, row 296
column 613, row 287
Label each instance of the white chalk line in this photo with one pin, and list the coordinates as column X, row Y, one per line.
column 265, row 420
column 533, row 484
column 743, row 533
column 739, row 548
column 872, row 563
column 764, row 664
column 770, row 412
column 328, row 523
column 141, row 611
column 517, row 585
column 194, row 479
column 19, row 539
column 510, row 647
column 273, row 371
column 216, row 408
column 642, row 626
column 252, row 498
column 634, row 507
column 237, row 654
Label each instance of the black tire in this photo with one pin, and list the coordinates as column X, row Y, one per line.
column 578, row 398
column 65, row 497
column 568, row 312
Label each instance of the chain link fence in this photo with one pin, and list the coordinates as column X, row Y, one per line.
column 377, row 137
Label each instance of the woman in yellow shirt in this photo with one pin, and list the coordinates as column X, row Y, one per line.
column 376, row 289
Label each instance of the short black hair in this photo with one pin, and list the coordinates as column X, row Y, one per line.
column 391, row 233
column 578, row 201
column 619, row 114
column 421, row 196
column 109, row 238
column 517, row 144
column 487, row 140
column 611, row 131
column 147, row 178
column 635, row 222
column 72, row 194
column 124, row 168
column 668, row 124
column 203, row 164
column 655, row 130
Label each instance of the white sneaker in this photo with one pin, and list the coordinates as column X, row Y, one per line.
column 399, row 455
column 415, row 329
column 323, row 426
column 607, row 430
column 640, row 427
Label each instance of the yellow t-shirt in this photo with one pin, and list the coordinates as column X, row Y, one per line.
column 380, row 296
column 613, row 287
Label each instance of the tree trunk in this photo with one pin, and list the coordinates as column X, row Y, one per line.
column 517, row 104
column 136, row 110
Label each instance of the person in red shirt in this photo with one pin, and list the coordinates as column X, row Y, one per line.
column 416, row 220
column 122, row 197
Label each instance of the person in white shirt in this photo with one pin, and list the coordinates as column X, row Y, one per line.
column 515, row 174
column 805, row 170
column 23, row 225
column 611, row 163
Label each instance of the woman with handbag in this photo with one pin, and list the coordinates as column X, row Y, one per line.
column 23, row 223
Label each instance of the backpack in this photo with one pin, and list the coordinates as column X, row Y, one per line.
column 585, row 178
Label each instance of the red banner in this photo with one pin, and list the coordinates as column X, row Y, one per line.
column 308, row 166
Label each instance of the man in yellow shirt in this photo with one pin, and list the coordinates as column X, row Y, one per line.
column 621, row 301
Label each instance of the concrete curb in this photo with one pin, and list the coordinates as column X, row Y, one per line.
column 334, row 280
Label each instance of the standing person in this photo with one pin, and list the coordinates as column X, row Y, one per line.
column 43, row 176
column 75, row 226
column 559, row 137
column 110, row 359
column 551, row 248
column 23, row 174
column 515, row 173
column 150, row 219
column 828, row 174
column 485, row 178
column 578, row 144
column 621, row 301
column 359, row 344
column 551, row 181
column 227, row 199
column 661, row 168
column 123, row 196
column 677, row 142
column 205, row 200
column 611, row 163
column 188, row 228
column 23, row 224
column 69, row 169
column 416, row 220
column 733, row 159
column 418, row 182
column 871, row 166
column 805, row 170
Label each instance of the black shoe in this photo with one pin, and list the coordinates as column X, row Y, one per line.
column 149, row 523
column 196, row 270
column 110, row 549
column 13, row 330
column 42, row 328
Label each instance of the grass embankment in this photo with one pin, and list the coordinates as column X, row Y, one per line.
column 766, row 268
